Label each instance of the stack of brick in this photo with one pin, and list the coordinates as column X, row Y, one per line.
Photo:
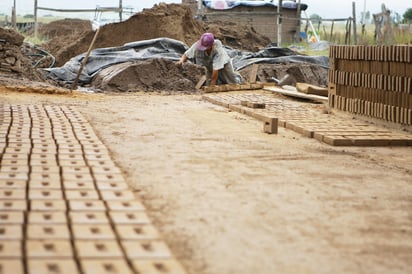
column 375, row 81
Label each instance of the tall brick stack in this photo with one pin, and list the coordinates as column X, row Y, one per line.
column 375, row 81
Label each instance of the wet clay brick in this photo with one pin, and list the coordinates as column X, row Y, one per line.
column 78, row 177
column 136, row 232
column 45, row 185
column 15, row 169
column 72, row 163
column 56, row 249
column 112, row 186
column 78, row 186
column 11, row 175
column 47, row 232
column 113, row 266
column 10, row 205
column 98, row 249
column 146, row 250
column 44, row 194
column 11, row 217
column 79, row 205
column 133, row 205
column 11, row 232
column 10, row 249
column 80, row 217
column 11, row 266
column 52, row 266
column 159, row 266
column 45, row 169
column 45, row 176
column 106, row 170
column 126, row 217
column 19, row 184
column 48, row 205
column 93, row 232
column 123, row 195
column 47, row 217
column 109, row 178
column 43, row 162
column 86, row 194
column 12, row 194
column 72, row 156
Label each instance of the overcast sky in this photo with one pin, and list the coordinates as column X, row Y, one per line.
column 324, row 8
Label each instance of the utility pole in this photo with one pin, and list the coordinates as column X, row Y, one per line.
column 279, row 42
column 120, row 10
column 355, row 33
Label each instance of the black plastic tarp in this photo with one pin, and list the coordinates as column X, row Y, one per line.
column 170, row 49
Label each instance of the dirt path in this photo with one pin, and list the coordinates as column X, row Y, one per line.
column 230, row 199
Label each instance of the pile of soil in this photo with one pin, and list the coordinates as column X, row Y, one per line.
column 163, row 20
column 14, row 63
column 298, row 73
column 149, row 75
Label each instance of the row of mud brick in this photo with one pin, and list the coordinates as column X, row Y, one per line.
column 375, row 81
column 232, row 87
column 322, row 127
column 64, row 205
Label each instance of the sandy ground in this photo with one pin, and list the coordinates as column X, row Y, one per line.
column 230, row 199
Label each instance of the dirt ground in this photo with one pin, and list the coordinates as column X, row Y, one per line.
column 229, row 198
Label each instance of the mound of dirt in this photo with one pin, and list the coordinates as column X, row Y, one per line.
column 163, row 20
column 149, row 75
column 298, row 72
column 65, row 27
column 14, row 64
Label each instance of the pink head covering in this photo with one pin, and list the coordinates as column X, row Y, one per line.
column 206, row 41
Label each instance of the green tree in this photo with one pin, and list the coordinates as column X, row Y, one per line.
column 407, row 16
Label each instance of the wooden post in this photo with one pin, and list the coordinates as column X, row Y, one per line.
column 331, row 30
column 74, row 85
column 120, row 10
column 13, row 16
column 279, row 42
column 36, row 26
column 298, row 15
column 355, row 33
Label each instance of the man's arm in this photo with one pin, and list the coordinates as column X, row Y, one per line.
column 215, row 74
column 182, row 59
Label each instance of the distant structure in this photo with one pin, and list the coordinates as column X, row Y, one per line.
column 261, row 15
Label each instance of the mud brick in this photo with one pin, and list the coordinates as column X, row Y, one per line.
column 97, row 157
column 48, row 232
column 47, row 147
column 48, row 205
column 11, row 232
column 47, row 217
column 12, row 194
column 158, row 266
column 13, row 205
column 137, row 232
column 14, row 175
column 80, row 205
column 126, row 217
column 66, row 146
column 15, row 156
column 44, row 185
column 11, row 217
column 105, row 266
column 96, row 145
column 43, row 162
column 270, row 125
column 47, row 176
column 55, row 170
column 90, row 142
column 55, row 249
column 96, row 150
column 133, row 205
column 97, row 249
column 109, row 178
column 93, row 232
column 96, row 217
column 14, row 266
column 10, row 249
column 18, row 150
column 124, row 195
column 84, row 194
column 146, row 250
column 112, row 186
column 18, row 184
column 78, row 185
column 72, row 163
column 45, row 194
column 84, row 177
column 52, row 266
column 69, row 157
